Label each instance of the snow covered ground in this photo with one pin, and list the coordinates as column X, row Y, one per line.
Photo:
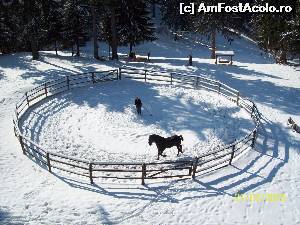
column 99, row 123
column 31, row 195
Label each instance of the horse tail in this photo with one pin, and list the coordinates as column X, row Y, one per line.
column 181, row 137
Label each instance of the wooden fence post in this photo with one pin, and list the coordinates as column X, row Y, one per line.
column 48, row 162
column 191, row 168
column 46, row 91
column 15, row 131
column 253, row 139
column 219, row 88
column 232, row 154
column 197, row 81
column 238, row 98
column 68, row 82
column 252, row 111
column 171, row 78
column 22, row 144
column 93, row 77
column 27, row 98
column 143, row 173
column 91, row 172
column 120, row 73
column 16, row 112
column 145, row 75
column 195, row 164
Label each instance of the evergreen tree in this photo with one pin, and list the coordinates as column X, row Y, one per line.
column 152, row 4
column 21, row 25
column 6, row 32
column 211, row 23
column 278, row 33
column 113, row 8
column 75, row 21
column 109, row 25
column 295, row 43
column 12, row 27
column 95, row 31
column 32, row 26
column 52, row 22
column 135, row 24
column 173, row 19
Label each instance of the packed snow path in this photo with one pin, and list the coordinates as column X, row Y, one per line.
column 99, row 122
column 31, row 195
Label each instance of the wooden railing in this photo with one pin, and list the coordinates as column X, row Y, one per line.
column 208, row 162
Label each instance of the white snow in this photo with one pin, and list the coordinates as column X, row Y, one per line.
column 99, row 122
column 29, row 194
column 224, row 53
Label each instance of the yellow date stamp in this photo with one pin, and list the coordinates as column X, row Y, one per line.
column 260, row 197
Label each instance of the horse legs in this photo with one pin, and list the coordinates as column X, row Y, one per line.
column 179, row 148
column 160, row 151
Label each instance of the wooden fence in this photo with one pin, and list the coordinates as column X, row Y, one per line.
column 208, row 162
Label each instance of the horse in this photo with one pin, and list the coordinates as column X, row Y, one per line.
column 163, row 143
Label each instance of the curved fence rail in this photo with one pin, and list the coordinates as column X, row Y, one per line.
column 208, row 162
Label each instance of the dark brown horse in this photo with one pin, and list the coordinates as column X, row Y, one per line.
column 163, row 143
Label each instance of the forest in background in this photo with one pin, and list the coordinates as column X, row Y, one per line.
column 35, row 25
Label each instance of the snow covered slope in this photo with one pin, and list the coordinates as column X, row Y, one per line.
column 31, row 195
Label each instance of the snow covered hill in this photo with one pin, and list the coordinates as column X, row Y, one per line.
column 31, row 195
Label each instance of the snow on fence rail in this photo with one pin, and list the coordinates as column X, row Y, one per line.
column 208, row 162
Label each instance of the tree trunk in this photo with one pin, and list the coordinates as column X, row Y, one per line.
column 213, row 44
column 109, row 51
column 55, row 43
column 77, row 48
column 34, row 49
column 72, row 49
column 114, row 42
column 283, row 58
column 153, row 9
column 95, row 33
column 29, row 12
column 130, row 48
column 175, row 37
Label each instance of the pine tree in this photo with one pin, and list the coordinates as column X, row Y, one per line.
column 113, row 7
column 32, row 15
column 152, row 4
column 52, row 22
column 6, row 32
column 109, row 25
column 295, row 43
column 20, row 28
column 135, row 24
column 278, row 33
column 75, row 24
column 212, row 23
column 292, row 34
column 173, row 19
column 95, row 32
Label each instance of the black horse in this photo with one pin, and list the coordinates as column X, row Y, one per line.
column 163, row 143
